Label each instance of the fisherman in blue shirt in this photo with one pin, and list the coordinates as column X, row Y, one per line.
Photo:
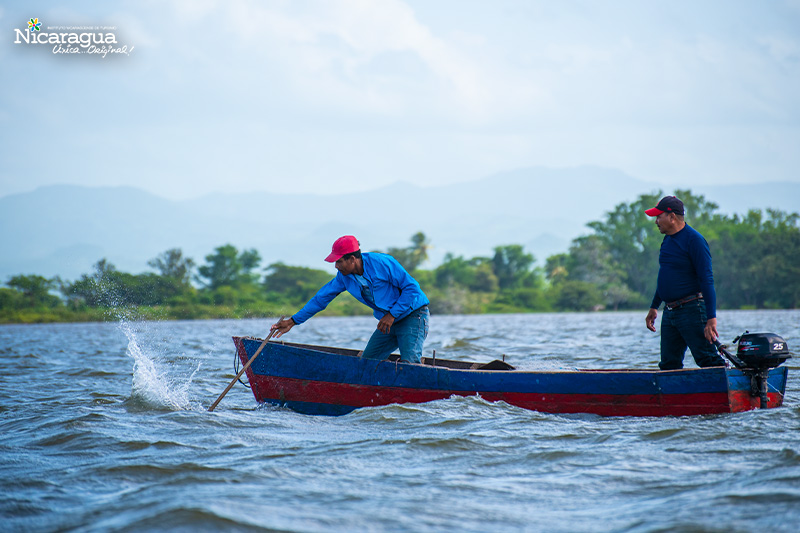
column 381, row 283
column 686, row 285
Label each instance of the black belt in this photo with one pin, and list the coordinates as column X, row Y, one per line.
column 686, row 300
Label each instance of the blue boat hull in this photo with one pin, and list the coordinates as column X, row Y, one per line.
column 333, row 381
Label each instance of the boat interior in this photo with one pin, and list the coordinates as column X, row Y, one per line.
column 430, row 361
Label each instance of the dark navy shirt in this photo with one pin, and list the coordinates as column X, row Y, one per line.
column 685, row 269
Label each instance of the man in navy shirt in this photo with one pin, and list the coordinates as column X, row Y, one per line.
column 380, row 282
column 686, row 286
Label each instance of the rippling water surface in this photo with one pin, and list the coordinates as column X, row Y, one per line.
column 104, row 428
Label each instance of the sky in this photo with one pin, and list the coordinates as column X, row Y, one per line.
column 342, row 96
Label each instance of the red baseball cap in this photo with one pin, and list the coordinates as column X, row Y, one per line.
column 343, row 245
column 668, row 204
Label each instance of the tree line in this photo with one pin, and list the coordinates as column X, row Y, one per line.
column 756, row 260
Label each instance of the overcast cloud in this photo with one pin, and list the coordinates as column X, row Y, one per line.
column 336, row 96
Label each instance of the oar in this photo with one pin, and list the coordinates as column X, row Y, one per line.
column 245, row 367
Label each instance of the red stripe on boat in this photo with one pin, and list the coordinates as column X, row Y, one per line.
column 269, row 388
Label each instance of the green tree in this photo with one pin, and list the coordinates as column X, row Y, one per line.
column 578, row 296
column 557, row 267
column 483, row 278
column 475, row 274
column 35, row 290
column 756, row 257
column 633, row 242
column 227, row 267
column 412, row 256
column 757, row 260
column 590, row 261
column 700, row 213
column 94, row 290
column 296, row 284
column 524, row 298
column 108, row 287
column 172, row 264
column 10, row 299
column 512, row 266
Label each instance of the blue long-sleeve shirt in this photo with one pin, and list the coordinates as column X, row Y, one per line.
column 393, row 290
column 685, row 269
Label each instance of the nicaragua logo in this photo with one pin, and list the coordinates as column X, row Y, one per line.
column 92, row 40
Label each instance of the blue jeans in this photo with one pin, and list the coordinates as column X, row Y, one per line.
column 407, row 334
column 682, row 327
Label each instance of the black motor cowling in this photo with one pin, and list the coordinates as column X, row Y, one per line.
column 762, row 350
column 755, row 355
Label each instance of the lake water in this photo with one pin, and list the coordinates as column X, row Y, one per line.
column 104, row 428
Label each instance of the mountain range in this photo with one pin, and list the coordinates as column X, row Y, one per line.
column 65, row 229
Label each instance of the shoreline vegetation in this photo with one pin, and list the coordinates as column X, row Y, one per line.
column 756, row 266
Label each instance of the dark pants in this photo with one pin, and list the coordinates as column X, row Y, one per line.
column 682, row 327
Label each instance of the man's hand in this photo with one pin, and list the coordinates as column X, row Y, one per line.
column 385, row 323
column 650, row 320
column 282, row 326
column 710, row 331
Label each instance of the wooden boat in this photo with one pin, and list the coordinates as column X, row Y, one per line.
column 335, row 381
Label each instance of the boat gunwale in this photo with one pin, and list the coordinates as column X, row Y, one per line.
column 669, row 384
column 427, row 362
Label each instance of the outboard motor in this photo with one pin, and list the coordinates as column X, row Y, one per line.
column 755, row 355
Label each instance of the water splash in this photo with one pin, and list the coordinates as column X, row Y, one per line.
column 155, row 382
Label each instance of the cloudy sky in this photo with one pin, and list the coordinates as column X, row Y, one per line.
column 329, row 96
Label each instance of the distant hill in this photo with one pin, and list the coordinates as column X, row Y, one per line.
column 63, row 230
